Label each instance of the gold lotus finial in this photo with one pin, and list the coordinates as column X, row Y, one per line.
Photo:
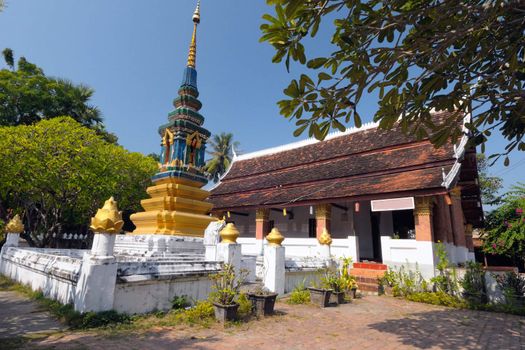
column 192, row 55
column 15, row 225
column 229, row 233
column 275, row 237
column 325, row 237
column 108, row 219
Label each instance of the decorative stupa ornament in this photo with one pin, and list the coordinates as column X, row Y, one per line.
column 108, row 219
column 15, row 225
column 275, row 237
column 177, row 205
column 229, row 234
column 325, row 238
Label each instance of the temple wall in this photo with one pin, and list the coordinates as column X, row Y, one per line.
column 55, row 275
column 245, row 224
column 292, row 228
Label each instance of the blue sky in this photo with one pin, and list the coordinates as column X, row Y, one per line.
column 133, row 53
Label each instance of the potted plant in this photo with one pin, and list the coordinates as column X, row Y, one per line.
column 226, row 287
column 320, row 295
column 349, row 284
column 332, row 280
column 386, row 283
column 263, row 301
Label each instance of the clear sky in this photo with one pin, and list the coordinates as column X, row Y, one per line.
column 133, row 53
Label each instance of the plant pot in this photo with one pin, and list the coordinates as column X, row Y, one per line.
column 225, row 313
column 353, row 293
column 337, row 297
column 263, row 305
column 320, row 297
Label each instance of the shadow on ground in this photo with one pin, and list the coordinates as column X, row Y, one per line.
column 456, row 329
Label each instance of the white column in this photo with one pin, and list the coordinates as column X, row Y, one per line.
column 274, row 269
column 230, row 253
column 95, row 288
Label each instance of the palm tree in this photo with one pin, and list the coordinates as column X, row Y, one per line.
column 222, row 153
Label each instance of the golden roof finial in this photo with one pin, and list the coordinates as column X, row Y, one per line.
column 108, row 219
column 15, row 225
column 193, row 45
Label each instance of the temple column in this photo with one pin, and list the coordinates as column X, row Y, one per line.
column 423, row 219
column 442, row 224
column 323, row 214
column 458, row 225
column 262, row 227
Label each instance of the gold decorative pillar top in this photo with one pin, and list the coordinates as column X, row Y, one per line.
column 325, row 238
column 108, row 219
column 455, row 192
column 262, row 214
column 193, row 45
column 424, row 206
column 323, row 211
column 275, row 237
column 15, row 225
column 229, row 234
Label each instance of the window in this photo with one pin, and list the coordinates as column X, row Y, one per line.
column 312, row 228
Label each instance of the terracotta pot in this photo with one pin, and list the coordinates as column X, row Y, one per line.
column 225, row 313
column 353, row 293
column 337, row 298
column 262, row 305
column 320, row 297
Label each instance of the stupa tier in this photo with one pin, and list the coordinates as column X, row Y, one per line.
column 177, row 205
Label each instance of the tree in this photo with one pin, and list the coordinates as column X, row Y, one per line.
column 27, row 96
column 222, row 153
column 57, row 173
column 505, row 226
column 489, row 185
column 420, row 55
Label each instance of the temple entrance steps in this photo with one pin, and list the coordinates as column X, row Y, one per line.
column 367, row 275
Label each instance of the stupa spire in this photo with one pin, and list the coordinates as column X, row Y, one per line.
column 192, row 55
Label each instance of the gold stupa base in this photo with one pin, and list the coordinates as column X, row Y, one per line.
column 176, row 207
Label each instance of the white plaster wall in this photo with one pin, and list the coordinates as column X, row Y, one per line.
column 363, row 229
column 411, row 253
column 295, row 278
column 55, row 276
column 147, row 296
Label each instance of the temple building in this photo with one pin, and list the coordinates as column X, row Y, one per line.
column 177, row 205
column 381, row 196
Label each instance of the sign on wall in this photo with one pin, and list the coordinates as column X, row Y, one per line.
column 393, row 204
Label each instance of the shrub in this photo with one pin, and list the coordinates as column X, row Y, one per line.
column 436, row 298
column 299, row 295
column 202, row 312
column 245, row 305
column 474, row 284
column 179, row 302
column 513, row 287
column 445, row 281
column 226, row 285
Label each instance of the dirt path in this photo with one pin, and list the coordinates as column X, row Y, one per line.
column 369, row 323
column 21, row 316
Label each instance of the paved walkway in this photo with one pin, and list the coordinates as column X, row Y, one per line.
column 20, row 316
column 369, row 323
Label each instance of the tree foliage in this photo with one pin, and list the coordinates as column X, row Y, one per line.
column 505, row 226
column 488, row 184
column 419, row 55
column 27, row 96
column 57, row 173
column 222, row 146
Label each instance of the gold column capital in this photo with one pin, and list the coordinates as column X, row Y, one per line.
column 325, row 238
column 323, row 211
column 455, row 192
column 108, row 219
column 262, row 214
column 424, row 206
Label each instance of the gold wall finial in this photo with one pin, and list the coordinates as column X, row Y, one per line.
column 15, row 225
column 108, row 219
column 275, row 237
column 229, row 233
column 192, row 55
